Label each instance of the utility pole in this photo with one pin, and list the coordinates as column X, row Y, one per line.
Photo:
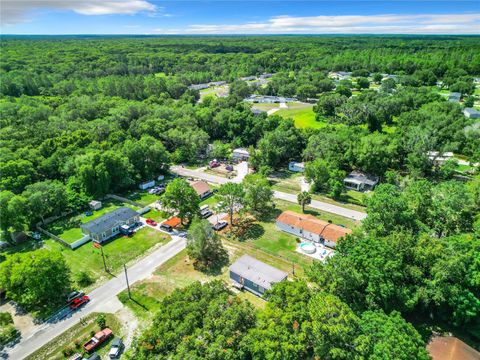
column 126, row 278
column 293, row 268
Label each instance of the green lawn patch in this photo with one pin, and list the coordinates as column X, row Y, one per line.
column 303, row 117
column 118, row 251
column 74, row 338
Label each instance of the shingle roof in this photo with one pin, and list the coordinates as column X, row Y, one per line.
column 361, row 178
column 328, row 231
column 109, row 220
column 257, row 271
column 451, row 348
column 200, row 187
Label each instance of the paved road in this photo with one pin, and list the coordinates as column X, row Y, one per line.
column 102, row 298
column 320, row 205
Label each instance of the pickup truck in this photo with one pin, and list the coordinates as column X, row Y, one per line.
column 99, row 338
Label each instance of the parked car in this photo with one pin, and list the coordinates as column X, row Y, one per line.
column 94, row 356
column 166, row 227
column 79, row 301
column 126, row 230
column 214, row 163
column 73, row 295
column 116, row 348
column 229, row 167
column 219, row 225
column 203, row 207
column 151, row 222
column 88, row 213
column 206, row 213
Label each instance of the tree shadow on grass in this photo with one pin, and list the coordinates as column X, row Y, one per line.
column 254, row 231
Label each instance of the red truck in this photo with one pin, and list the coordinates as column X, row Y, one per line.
column 79, row 301
column 99, row 338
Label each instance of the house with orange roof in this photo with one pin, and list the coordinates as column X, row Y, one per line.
column 310, row 228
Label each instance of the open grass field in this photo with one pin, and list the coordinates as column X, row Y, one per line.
column 265, row 107
column 303, row 117
column 77, row 334
column 68, row 229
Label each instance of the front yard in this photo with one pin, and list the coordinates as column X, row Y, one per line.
column 119, row 251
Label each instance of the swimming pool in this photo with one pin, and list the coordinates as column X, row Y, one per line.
column 308, row 248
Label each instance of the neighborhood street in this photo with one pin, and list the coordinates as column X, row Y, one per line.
column 320, row 205
column 103, row 298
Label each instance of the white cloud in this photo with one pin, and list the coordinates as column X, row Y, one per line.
column 15, row 11
column 351, row 24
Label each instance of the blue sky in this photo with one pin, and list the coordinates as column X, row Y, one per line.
column 238, row 17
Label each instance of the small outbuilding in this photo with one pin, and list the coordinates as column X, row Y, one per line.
column 296, row 166
column 147, row 185
column 202, row 189
column 240, row 154
column 255, row 276
column 95, row 205
column 471, row 113
column 360, row 182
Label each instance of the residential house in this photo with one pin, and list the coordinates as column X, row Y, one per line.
column 296, row 166
column 451, row 348
column 147, row 185
column 471, row 113
column 248, row 78
column 439, row 158
column 255, row 276
column 202, row 189
column 217, row 83
column 454, row 97
column 95, row 205
column 310, row 228
column 360, row 182
column 240, row 154
column 199, row 86
column 108, row 225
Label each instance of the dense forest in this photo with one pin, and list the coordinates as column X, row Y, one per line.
column 82, row 117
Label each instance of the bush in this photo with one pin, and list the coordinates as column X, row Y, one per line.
column 83, row 279
column 7, row 334
column 77, row 343
column 5, row 318
column 101, row 321
column 68, row 351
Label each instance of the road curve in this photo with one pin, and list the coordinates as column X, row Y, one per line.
column 102, row 298
column 320, row 205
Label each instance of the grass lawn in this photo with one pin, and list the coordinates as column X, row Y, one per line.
column 80, row 334
column 303, row 117
column 118, row 251
column 289, row 182
column 211, row 201
column 142, row 197
column 68, row 229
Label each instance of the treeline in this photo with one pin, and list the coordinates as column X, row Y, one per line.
column 209, row 322
column 58, row 65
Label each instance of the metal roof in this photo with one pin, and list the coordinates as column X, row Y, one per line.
column 258, row 272
column 109, row 220
column 360, row 178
